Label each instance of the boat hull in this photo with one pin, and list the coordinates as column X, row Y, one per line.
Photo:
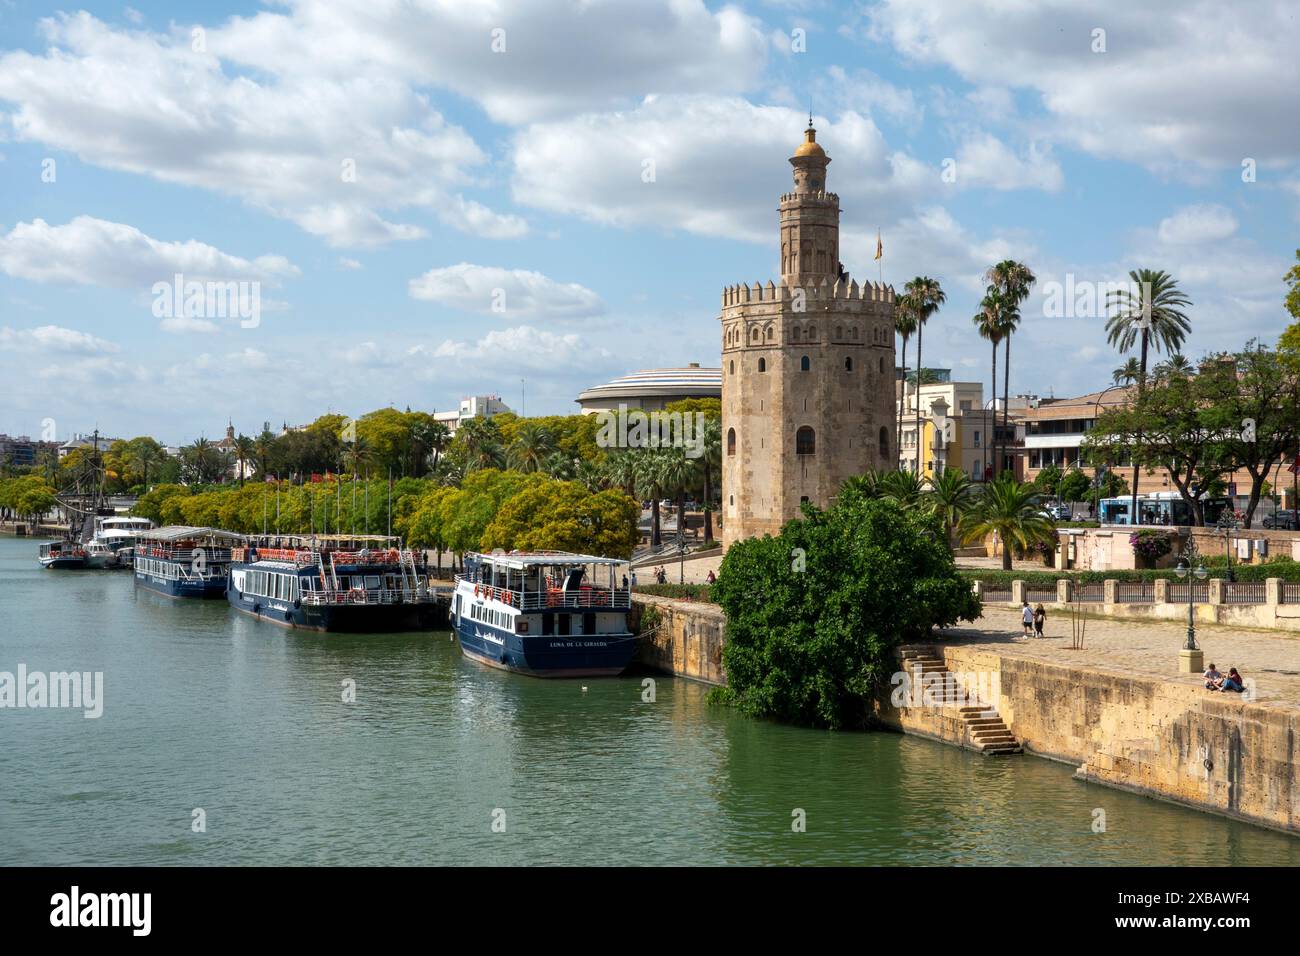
column 174, row 588
column 550, row 655
column 63, row 564
column 350, row 618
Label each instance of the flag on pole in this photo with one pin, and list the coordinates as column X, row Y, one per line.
column 880, row 249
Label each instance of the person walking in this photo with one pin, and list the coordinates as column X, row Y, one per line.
column 1040, row 618
column 1027, row 619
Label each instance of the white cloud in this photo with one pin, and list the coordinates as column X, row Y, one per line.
column 984, row 160
column 1185, row 84
column 55, row 338
column 89, row 251
column 511, row 292
column 718, row 165
column 599, row 54
column 349, row 264
column 335, row 152
column 1201, row 223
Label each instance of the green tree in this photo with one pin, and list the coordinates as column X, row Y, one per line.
column 533, row 444
column 1152, row 316
column 925, row 295
column 815, row 614
column 564, row 516
column 905, row 324
column 1011, row 510
column 990, row 323
column 1074, row 486
column 1010, row 281
column 949, row 496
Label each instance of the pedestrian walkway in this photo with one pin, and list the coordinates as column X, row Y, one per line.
column 1270, row 658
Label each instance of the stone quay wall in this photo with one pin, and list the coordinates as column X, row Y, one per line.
column 1170, row 740
column 686, row 639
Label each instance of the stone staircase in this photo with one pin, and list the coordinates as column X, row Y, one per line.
column 985, row 731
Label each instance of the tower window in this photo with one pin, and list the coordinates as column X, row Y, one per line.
column 855, row 333
column 805, row 441
column 731, row 441
column 770, row 334
column 882, row 365
column 848, row 363
column 731, row 368
column 804, row 364
column 762, row 365
column 884, row 443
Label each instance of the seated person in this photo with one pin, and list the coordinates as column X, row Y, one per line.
column 1213, row 679
column 1233, row 682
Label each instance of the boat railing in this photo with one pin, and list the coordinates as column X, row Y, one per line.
column 367, row 596
column 584, row 597
column 184, row 554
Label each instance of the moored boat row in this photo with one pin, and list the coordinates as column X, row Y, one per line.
column 543, row 613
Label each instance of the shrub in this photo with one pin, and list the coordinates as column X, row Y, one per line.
column 814, row 614
column 1151, row 545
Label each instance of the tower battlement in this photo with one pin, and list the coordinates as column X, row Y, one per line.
column 848, row 293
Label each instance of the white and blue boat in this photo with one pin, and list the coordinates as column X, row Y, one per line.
column 184, row 562
column 546, row 613
column 331, row 583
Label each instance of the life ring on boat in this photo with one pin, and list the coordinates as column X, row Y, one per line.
column 478, row 591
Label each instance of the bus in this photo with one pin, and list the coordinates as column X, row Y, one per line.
column 1159, row 508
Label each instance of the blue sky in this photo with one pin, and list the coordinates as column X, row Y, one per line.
column 221, row 155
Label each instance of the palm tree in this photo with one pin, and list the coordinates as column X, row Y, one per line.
column 590, row 475
column 1152, row 316
column 865, row 485
column 710, row 463
column 1008, row 508
column 926, row 296
column 533, row 444
column 950, row 497
column 905, row 326
column 620, row 470
column 357, row 455
column 559, row 465
column 904, row 488
column 438, row 437
column 263, row 447
column 244, row 448
column 146, row 452
column 679, row 472
column 1011, row 280
column 1176, row 364
column 650, row 482
column 1128, row 373
column 988, row 322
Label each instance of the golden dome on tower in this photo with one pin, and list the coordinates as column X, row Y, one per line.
column 810, row 146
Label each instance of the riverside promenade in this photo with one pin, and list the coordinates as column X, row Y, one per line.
column 1269, row 658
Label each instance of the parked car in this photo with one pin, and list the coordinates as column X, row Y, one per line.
column 1282, row 519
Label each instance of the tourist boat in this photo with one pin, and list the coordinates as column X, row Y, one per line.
column 180, row 561
column 119, row 534
column 331, row 583
column 545, row 613
column 62, row 556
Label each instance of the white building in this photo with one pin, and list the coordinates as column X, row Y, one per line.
column 475, row 406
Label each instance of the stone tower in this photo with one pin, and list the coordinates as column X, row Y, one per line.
column 807, row 369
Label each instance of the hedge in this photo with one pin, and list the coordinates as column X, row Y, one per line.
column 686, row 592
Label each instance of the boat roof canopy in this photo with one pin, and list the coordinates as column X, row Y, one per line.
column 126, row 521
column 181, row 532
column 519, row 560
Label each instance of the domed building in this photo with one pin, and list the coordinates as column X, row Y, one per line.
column 653, row 389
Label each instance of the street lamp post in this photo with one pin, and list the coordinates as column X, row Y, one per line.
column 1191, row 659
